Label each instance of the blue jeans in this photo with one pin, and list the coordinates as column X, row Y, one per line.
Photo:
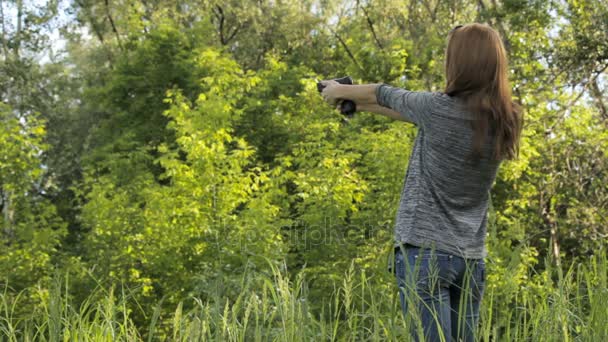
column 442, row 290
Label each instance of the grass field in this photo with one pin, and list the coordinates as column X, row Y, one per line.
column 568, row 306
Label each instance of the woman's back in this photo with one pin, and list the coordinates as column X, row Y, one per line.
column 446, row 192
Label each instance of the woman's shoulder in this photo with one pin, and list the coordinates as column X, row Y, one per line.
column 450, row 106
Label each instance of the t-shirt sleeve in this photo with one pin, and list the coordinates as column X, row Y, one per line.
column 413, row 105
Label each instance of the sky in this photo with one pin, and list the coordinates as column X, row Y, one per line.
column 51, row 29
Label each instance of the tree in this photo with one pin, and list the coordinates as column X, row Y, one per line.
column 31, row 228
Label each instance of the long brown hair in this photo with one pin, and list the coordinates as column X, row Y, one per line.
column 476, row 71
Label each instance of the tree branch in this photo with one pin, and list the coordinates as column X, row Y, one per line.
column 236, row 29
column 92, row 22
column 19, row 28
column 350, row 54
column 597, row 94
column 592, row 79
column 4, row 39
column 481, row 7
column 432, row 12
column 370, row 24
column 109, row 16
column 221, row 21
column 219, row 13
column 501, row 28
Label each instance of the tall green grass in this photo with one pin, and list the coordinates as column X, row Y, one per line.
column 563, row 306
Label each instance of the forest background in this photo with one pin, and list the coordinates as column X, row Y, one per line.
column 152, row 152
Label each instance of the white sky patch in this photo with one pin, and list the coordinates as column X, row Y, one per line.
column 56, row 41
column 51, row 29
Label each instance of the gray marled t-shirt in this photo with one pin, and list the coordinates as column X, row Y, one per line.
column 444, row 200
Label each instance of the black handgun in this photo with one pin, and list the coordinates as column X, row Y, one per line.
column 347, row 107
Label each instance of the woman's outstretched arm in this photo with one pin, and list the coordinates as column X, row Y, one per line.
column 413, row 106
column 364, row 96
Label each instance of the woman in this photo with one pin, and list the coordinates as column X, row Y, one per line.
column 463, row 135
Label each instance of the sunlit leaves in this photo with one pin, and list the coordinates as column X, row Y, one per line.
column 30, row 227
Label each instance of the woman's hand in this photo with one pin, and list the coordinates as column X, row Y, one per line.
column 360, row 94
column 332, row 92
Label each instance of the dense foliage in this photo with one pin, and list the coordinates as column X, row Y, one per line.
column 174, row 149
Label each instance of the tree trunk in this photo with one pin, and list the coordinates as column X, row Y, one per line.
column 8, row 214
